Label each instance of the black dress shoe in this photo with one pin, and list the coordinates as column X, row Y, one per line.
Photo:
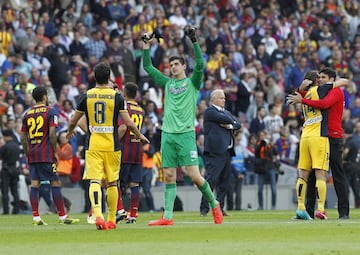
column 203, row 214
column 225, row 214
column 344, row 217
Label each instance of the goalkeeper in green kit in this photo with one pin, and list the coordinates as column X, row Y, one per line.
column 178, row 143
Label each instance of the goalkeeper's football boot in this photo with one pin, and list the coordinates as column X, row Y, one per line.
column 161, row 222
column 217, row 214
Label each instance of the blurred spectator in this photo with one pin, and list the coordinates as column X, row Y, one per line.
column 258, row 101
column 77, row 47
column 238, row 174
column 272, row 90
column 28, row 37
column 351, row 167
column 95, row 46
column 297, row 74
column 39, row 61
column 9, row 155
column 273, row 123
column 355, row 111
column 64, row 37
column 257, row 124
column 347, row 121
column 86, row 16
column 40, row 36
column 264, row 166
column 6, row 39
column 49, row 25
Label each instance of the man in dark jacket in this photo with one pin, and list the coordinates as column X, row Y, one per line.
column 9, row 154
column 219, row 125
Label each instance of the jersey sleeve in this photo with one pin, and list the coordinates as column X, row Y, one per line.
column 82, row 104
column 122, row 103
column 324, row 103
column 198, row 72
column 158, row 77
column 53, row 118
column 324, row 89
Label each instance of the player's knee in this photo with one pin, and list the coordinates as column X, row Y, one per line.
column 112, row 184
column 96, row 182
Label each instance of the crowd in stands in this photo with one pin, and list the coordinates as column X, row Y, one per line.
column 257, row 51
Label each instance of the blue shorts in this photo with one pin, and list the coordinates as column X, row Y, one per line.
column 130, row 173
column 43, row 171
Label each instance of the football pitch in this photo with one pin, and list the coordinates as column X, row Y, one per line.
column 243, row 232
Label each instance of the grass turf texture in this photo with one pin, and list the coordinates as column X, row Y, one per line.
column 244, row 232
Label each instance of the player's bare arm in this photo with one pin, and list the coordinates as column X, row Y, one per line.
column 122, row 130
column 132, row 127
column 72, row 124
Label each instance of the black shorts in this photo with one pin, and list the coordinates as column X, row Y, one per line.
column 130, row 173
column 43, row 171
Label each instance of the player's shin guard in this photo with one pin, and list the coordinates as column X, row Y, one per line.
column 321, row 190
column 112, row 199
column 301, row 186
column 169, row 196
column 95, row 196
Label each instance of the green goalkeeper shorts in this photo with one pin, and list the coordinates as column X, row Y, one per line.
column 178, row 149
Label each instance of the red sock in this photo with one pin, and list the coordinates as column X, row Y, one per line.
column 34, row 201
column 120, row 205
column 58, row 200
column 134, row 200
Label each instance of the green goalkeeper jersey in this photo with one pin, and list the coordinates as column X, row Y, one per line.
column 180, row 95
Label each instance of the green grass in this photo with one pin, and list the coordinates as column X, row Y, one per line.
column 244, row 232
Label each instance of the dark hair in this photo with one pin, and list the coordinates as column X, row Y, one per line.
column 68, row 101
column 259, row 108
column 130, row 88
column 329, row 72
column 102, row 73
column 38, row 93
column 181, row 59
column 311, row 75
column 271, row 106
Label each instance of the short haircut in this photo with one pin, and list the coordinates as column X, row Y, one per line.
column 102, row 73
column 329, row 72
column 130, row 89
column 181, row 59
column 38, row 93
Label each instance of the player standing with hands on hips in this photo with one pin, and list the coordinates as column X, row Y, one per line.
column 178, row 143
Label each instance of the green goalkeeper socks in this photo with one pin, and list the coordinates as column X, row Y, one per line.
column 170, row 195
column 208, row 194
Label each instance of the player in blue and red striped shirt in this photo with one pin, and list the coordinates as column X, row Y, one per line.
column 38, row 137
column 132, row 154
